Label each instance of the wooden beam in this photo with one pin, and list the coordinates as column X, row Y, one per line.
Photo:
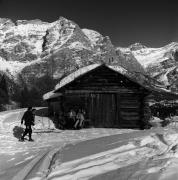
column 97, row 91
column 129, row 107
column 126, row 113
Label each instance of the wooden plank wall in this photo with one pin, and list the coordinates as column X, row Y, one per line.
column 114, row 110
column 102, row 110
column 130, row 111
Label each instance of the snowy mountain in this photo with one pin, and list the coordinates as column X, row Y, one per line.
column 35, row 55
column 27, row 42
column 159, row 63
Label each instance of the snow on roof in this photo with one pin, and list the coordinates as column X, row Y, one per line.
column 51, row 95
column 75, row 75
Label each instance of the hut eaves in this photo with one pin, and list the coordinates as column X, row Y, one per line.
column 51, row 95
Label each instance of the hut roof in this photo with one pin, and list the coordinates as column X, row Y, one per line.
column 137, row 77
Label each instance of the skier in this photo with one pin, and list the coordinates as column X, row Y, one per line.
column 28, row 119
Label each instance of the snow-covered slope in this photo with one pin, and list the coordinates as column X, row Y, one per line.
column 148, row 56
column 160, row 63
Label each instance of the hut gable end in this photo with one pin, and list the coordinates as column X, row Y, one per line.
column 102, row 78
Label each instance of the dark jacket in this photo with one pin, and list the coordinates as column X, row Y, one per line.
column 28, row 117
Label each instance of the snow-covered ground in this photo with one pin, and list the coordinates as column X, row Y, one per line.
column 14, row 153
column 90, row 153
column 44, row 133
column 108, row 163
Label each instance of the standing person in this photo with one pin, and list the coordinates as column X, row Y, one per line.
column 28, row 119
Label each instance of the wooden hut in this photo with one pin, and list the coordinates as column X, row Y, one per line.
column 108, row 95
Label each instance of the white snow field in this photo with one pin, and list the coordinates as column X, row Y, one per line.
column 86, row 154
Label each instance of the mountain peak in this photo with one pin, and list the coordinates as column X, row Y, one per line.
column 137, row 46
column 61, row 18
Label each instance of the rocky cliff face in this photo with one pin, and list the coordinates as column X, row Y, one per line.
column 34, row 55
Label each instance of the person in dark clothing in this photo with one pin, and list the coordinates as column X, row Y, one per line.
column 28, row 119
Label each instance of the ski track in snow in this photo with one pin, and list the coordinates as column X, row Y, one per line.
column 94, row 165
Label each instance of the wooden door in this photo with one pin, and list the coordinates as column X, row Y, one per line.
column 103, row 110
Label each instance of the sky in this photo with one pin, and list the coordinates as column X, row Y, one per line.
column 151, row 22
